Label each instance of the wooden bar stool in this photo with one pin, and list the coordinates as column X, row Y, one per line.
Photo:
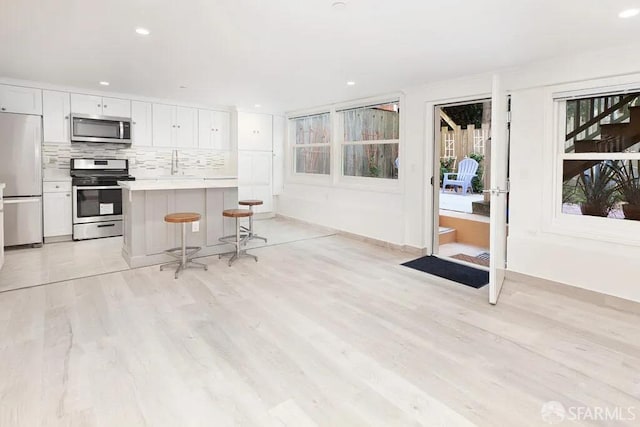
column 239, row 240
column 184, row 253
column 249, row 230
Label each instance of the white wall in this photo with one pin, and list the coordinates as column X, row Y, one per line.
column 376, row 215
column 577, row 251
column 355, row 205
column 405, row 217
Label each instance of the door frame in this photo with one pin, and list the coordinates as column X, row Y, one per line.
column 433, row 201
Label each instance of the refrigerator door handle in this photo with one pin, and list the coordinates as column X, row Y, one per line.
column 25, row 200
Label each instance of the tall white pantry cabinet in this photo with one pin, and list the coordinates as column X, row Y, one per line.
column 255, row 159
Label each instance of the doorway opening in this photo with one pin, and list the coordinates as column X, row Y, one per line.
column 462, row 153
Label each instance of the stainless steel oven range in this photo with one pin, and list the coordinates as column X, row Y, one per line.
column 97, row 198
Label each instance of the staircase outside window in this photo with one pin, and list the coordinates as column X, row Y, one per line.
column 601, row 157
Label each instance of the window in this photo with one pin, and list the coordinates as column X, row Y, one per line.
column 479, row 138
column 312, row 144
column 449, row 144
column 601, row 157
column 371, row 141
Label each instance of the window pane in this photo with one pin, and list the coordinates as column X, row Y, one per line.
column 605, row 124
column 380, row 122
column 371, row 160
column 313, row 129
column 609, row 188
column 316, row 160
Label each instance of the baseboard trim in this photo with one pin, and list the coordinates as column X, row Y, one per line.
column 403, row 248
column 58, row 239
column 585, row 295
column 263, row 215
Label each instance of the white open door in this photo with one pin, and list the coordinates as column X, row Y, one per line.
column 499, row 188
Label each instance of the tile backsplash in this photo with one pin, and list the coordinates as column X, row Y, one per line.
column 143, row 162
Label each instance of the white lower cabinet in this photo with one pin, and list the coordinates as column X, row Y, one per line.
column 57, row 209
column 1, row 239
column 255, row 178
column 1, row 229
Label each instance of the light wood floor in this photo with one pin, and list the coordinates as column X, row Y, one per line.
column 327, row 331
column 55, row 262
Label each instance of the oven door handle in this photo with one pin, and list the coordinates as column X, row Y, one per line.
column 96, row 187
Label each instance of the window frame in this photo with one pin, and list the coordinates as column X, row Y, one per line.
column 336, row 179
column 611, row 230
column 366, row 181
column 293, row 146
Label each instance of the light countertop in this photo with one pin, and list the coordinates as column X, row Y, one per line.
column 179, row 183
column 49, row 175
column 2, row 185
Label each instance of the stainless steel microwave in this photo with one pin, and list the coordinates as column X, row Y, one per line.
column 88, row 128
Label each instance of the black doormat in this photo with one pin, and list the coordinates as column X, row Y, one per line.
column 450, row 270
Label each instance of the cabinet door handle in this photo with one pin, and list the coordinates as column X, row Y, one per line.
column 98, row 105
column 3, row 109
column 66, row 117
column 178, row 126
column 105, row 106
column 68, row 195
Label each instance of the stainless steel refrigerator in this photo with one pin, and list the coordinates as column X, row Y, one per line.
column 21, row 171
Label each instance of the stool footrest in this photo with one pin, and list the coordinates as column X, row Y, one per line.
column 182, row 267
column 235, row 255
column 231, row 239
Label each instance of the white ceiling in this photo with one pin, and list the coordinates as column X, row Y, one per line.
column 290, row 54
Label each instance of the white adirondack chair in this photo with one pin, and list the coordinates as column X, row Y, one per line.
column 466, row 172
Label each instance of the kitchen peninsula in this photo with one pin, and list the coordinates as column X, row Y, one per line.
column 146, row 202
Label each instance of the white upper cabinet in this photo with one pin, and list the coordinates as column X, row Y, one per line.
column 174, row 126
column 22, row 100
column 141, row 118
column 186, row 127
column 214, row 130
column 255, row 132
column 99, row 106
column 86, row 104
column 116, row 107
column 56, row 109
column 163, row 125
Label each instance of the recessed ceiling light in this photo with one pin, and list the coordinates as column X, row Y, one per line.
column 104, row 83
column 257, row 105
column 142, row 31
column 339, row 5
column 351, row 83
column 183, row 87
column 629, row 13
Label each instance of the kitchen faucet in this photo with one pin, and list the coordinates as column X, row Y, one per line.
column 174, row 162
